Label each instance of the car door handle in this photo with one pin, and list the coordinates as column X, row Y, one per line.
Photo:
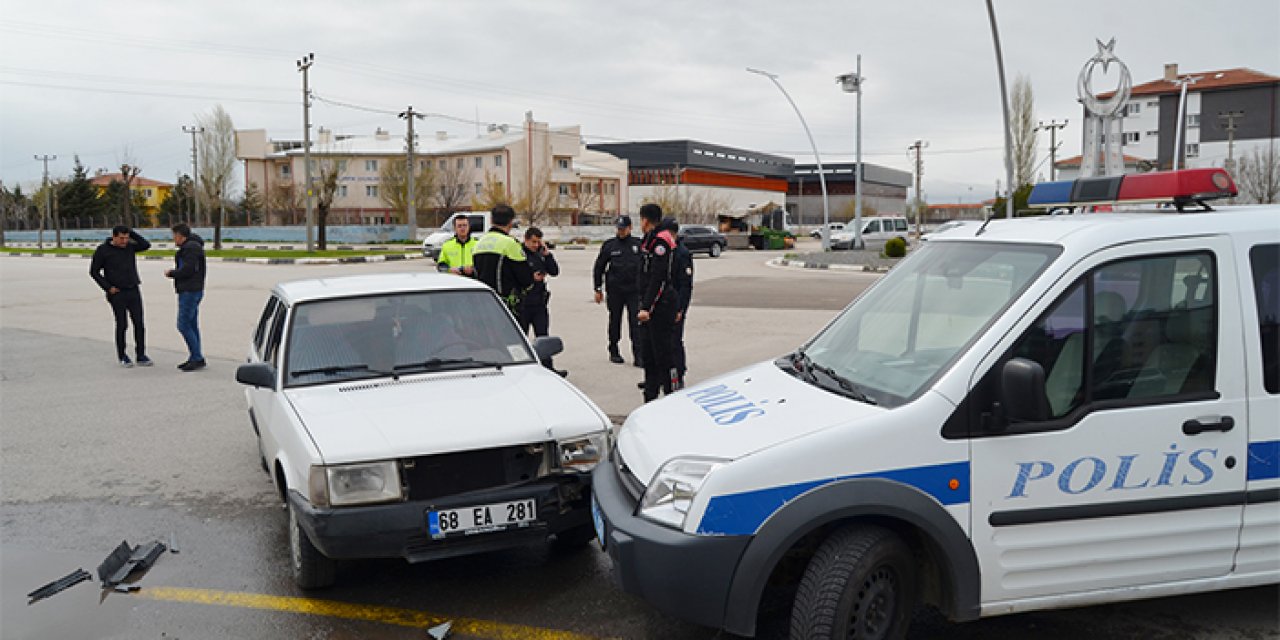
column 1193, row 427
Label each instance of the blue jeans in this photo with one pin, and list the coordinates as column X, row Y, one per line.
column 188, row 322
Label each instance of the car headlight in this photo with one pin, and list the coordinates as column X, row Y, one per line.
column 350, row 484
column 582, row 454
column 668, row 497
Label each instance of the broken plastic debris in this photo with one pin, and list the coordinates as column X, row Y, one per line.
column 173, row 542
column 127, row 588
column 440, row 631
column 124, row 560
column 65, row 582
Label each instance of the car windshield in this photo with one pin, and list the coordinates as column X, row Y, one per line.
column 898, row 337
column 402, row 333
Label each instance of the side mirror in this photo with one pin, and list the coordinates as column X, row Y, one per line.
column 1022, row 391
column 547, row 346
column 258, row 374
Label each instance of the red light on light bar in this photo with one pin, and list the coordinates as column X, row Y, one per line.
column 1184, row 185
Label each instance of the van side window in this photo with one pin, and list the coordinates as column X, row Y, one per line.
column 260, row 334
column 900, row 224
column 1130, row 331
column 1264, row 259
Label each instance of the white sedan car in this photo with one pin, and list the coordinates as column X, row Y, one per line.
column 406, row 415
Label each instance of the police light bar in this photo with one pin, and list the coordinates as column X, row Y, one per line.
column 1177, row 187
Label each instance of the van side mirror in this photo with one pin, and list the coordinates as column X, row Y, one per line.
column 1022, row 392
column 547, row 346
column 258, row 374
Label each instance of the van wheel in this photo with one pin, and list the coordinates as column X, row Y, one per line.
column 861, row 584
column 311, row 569
column 715, row 250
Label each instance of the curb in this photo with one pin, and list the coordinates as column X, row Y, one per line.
column 795, row 264
column 352, row 260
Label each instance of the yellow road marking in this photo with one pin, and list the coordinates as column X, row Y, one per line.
column 370, row 613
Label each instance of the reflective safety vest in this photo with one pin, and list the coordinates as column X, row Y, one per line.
column 455, row 254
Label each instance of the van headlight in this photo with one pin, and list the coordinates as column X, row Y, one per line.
column 351, row 484
column 582, row 454
column 668, row 497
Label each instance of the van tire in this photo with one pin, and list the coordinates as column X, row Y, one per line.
column 311, row 569
column 860, row 584
column 714, row 251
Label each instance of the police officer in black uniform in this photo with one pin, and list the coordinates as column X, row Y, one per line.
column 659, row 301
column 617, row 268
column 682, row 276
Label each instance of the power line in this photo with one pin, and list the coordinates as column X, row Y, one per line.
column 142, row 93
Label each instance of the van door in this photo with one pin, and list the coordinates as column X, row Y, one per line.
column 1131, row 470
column 1259, row 552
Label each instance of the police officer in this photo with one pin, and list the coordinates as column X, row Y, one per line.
column 499, row 259
column 617, row 267
column 659, row 300
column 455, row 255
column 682, row 276
column 533, row 307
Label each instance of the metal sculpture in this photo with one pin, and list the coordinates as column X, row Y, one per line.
column 1102, row 134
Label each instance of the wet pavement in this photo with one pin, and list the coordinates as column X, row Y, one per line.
column 91, row 454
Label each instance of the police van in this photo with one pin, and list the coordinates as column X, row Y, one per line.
column 1026, row 414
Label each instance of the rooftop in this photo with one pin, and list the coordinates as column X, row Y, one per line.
column 104, row 179
column 1209, row 81
column 1074, row 161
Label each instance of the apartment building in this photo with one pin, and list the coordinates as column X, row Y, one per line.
column 151, row 192
column 530, row 163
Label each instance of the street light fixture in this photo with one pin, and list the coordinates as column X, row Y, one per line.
column 826, row 212
column 852, row 83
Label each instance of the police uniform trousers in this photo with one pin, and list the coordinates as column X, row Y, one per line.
column 617, row 303
column 659, row 357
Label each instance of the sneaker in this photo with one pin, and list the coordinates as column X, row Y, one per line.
column 616, row 358
column 192, row 365
column 126, row 362
column 183, row 365
column 144, row 361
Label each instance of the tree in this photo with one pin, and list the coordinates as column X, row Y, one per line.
column 587, row 199
column 536, row 202
column 1258, row 175
column 330, row 168
column 78, row 198
column 1020, row 196
column 1022, row 114
column 218, row 161
column 688, row 206
column 283, row 202
column 179, row 204
column 251, row 204
column 451, row 190
column 128, row 172
column 393, row 187
column 493, row 194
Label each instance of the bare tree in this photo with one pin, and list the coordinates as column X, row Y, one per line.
column 217, row 163
column 538, row 201
column 689, row 206
column 587, row 198
column 329, row 169
column 393, row 186
column 128, row 171
column 283, row 201
column 1023, row 124
column 451, row 188
column 1258, row 175
column 493, row 194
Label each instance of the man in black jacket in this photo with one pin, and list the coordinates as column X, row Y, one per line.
column 533, row 306
column 115, row 268
column 188, row 280
column 682, row 278
column 616, row 269
column 659, row 301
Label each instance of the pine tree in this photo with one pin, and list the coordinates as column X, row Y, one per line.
column 78, row 199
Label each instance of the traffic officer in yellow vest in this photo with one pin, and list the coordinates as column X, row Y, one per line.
column 500, row 261
column 455, row 255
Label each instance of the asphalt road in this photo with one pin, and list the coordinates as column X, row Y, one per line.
column 92, row 454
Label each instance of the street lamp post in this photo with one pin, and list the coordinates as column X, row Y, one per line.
column 822, row 180
column 1004, row 104
column 852, row 83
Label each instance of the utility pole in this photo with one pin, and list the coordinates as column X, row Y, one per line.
column 304, row 65
column 1052, row 127
column 1230, row 118
column 195, row 168
column 47, row 200
column 916, row 149
column 410, row 141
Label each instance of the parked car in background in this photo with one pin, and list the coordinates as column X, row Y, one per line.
column 699, row 238
column 875, row 231
column 479, row 224
column 945, row 227
column 372, row 401
column 833, row 226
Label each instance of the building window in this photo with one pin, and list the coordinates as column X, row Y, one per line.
column 497, row 161
column 443, row 165
column 1193, row 150
column 1130, row 137
column 284, row 171
column 462, row 163
column 342, row 191
column 147, row 192
column 564, row 190
column 1153, row 134
column 1193, row 120
column 1152, row 104
column 1133, row 108
column 563, row 163
column 371, row 190
column 479, row 188
column 342, row 166
column 479, row 162
column 370, row 165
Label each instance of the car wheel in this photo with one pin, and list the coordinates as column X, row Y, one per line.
column 861, row 584
column 574, row 539
column 714, row 251
column 311, row 569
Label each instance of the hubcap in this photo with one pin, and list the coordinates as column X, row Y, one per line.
column 873, row 608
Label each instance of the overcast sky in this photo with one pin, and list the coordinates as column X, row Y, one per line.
column 110, row 79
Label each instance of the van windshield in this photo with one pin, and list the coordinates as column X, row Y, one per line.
column 893, row 341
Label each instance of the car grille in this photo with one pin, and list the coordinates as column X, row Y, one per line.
column 449, row 474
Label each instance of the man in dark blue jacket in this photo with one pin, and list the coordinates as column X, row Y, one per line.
column 188, row 280
column 115, row 268
column 682, row 278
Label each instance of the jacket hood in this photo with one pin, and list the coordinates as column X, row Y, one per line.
column 667, row 224
column 195, row 237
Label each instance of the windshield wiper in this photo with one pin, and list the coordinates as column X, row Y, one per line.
column 340, row 368
column 806, row 366
column 440, row 363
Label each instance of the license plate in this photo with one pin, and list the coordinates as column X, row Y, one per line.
column 482, row 518
column 598, row 519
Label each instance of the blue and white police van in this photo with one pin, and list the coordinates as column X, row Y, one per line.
column 1034, row 413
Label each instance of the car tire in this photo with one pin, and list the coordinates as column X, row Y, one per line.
column 311, row 569
column 573, row 539
column 861, row 584
column 714, row 251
